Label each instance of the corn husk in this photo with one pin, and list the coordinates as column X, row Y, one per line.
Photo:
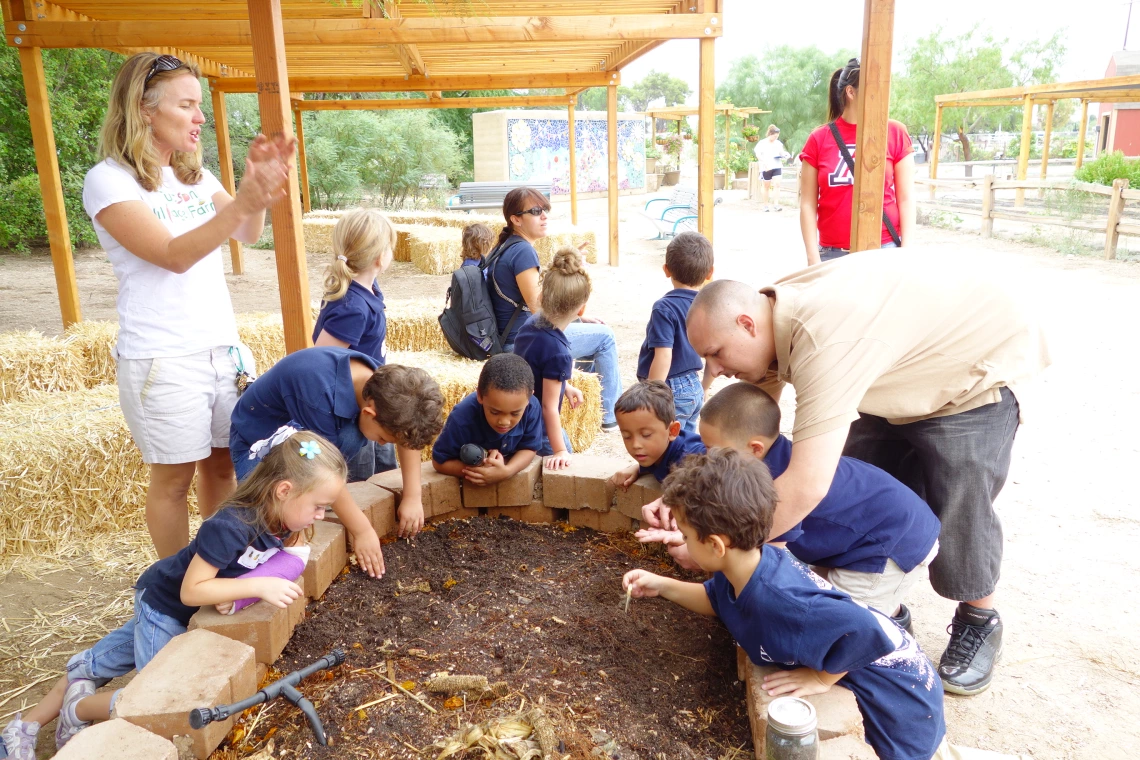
column 31, row 362
column 457, row 377
column 95, row 340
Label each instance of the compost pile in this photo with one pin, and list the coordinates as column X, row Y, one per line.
column 535, row 615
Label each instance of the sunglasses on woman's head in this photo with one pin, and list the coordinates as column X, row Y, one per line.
column 162, row 63
column 536, row 211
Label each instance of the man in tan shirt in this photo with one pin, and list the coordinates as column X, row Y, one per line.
column 909, row 360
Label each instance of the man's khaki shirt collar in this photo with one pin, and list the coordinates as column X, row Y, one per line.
column 783, row 305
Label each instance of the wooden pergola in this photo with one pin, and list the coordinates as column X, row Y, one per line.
column 282, row 49
column 727, row 110
column 1109, row 90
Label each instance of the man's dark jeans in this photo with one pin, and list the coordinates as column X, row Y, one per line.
column 958, row 464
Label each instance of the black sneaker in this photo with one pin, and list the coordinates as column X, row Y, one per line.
column 967, row 665
column 903, row 619
column 608, row 426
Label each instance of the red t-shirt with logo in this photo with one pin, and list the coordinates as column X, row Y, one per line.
column 836, row 181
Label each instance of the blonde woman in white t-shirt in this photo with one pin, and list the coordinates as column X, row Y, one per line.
column 162, row 218
column 771, row 154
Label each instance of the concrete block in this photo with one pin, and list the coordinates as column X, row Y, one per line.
column 836, row 711
column 384, row 520
column 583, row 518
column 585, row 484
column 518, row 490
column 846, row 748
column 480, row 496
column 262, row 626
column 197, row 669
column 327, row 557
column 117, row 740
column 742, row 663
column 377, row 504
column 439, row 493
column 643, row 491
column 535, row 512
column 365, row 494
column 613, row 522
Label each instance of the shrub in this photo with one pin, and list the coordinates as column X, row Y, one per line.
column 23, row 224
column 1108, row 167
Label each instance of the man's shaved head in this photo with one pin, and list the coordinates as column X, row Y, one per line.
column 722, row 301
column 730, row 327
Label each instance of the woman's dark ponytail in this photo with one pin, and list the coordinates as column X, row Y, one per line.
column 837, row 88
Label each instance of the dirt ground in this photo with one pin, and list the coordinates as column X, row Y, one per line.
column 1069, row 682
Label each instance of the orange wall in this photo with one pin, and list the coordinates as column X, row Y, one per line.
column 1127, row 133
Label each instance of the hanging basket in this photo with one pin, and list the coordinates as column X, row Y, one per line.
column 687, row 137
column 752, row 138
column 659, row 140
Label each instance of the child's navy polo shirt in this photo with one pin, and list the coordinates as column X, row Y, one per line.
column 684, row 444
column 666, row 329
column 866, row 517
column 228, row 541
column 311, row 389
column 472, row 263
column 466, row 423
column 517, row 257
column 547, row 351
column 789, row 617
column 358, row 319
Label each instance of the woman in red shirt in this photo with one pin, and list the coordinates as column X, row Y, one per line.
column 826, row 182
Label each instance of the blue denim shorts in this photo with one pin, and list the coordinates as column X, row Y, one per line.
column 688, row 399
column 547, row 450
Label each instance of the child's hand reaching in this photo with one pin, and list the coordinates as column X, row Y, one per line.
column 656, row 515
column 660, row 536
column 801, row 682
column 643, row 583
column 224, row 608
column 574, row 396
column 624, row 478
column 558, row 461
column 277, row 591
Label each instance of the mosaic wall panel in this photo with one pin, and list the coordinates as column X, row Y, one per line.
column 539, row 150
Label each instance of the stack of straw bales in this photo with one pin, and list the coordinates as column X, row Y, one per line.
column 68, row 469
column 95, row 341
column 436, row 250
column 458, row 377
column 413, row 325
column 31, row 362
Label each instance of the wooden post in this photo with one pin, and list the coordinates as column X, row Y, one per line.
column 612, row 155
column 1045, row 145
column 1023, row 157
column 268, row 40
column 573, row 164
column 1082, row 132
column 727, row 151
column 226, row 163
column 707, row 133
column 302, row 162
column 1115, row 209
column 935, row 149
column 871, row 141
column 988, row 206
column 51, row 185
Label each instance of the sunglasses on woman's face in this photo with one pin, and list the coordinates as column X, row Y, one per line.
column 536, row 211
column 162, row 63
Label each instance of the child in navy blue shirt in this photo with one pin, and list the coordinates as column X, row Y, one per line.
column 544, row 345
column 502, row 417
column 477, row 242
column 288, row 490
column 870, row 536
column 784, row 615
column 666, row 354
column 352, row 310
column 651, row 432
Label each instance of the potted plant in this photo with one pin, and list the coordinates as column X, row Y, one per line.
column 686, row 130
column 672, row 149
column 660, row 139
column 719, row 165
column 651, row 156
column 751, row 133
column 739, row 163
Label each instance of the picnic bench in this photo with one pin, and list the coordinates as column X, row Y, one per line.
column 473, row 195
column 674, row 212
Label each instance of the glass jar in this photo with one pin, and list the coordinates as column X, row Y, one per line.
column 791, row 732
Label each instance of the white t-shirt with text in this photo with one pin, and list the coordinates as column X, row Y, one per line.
column 770, row 154
column 162, row 313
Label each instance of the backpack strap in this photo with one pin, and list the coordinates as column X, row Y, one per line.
column 851, row 166
column 492, row 264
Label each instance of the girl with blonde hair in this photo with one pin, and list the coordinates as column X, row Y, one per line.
column 162, row 217
column 543, row 343
column 297, row 480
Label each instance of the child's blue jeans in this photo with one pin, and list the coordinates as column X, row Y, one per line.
column 688, row 399
column 127, row 648
column 546, row 449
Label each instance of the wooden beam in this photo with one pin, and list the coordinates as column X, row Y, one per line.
column 1082, row 133
column 332, row 83
column 288, row 238
column 935, row 146
column 612, row 158
column 51, row 185
column 871, row 140
column 706, row 129
column 1023, row 157
column 727, row 147
column 1045, row 146
column 302, row 161
column 409, row 55
column 420, row 103
column 573, row 162
column 429, row 30
column 226, row 164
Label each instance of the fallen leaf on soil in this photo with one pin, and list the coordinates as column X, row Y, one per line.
column 453, row 703
column 449, row 583
column 419, row 585
column 409, row 685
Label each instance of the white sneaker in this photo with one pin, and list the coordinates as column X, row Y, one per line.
column 19, row 739
column 68, row 725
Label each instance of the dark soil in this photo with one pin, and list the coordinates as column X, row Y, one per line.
column 539, row 607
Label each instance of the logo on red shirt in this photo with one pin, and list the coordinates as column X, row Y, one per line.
column 841, row 175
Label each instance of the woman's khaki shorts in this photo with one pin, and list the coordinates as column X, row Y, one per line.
column 178, row 408
column 883, row 591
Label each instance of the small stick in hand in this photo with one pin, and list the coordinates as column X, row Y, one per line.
column 628, row 596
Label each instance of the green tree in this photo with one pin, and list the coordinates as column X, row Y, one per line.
column 936, row 65
column 790, row 82
column 653, row 87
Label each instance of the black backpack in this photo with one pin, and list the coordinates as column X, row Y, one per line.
column 468, row 318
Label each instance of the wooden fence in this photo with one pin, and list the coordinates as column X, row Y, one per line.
column 1113, row 224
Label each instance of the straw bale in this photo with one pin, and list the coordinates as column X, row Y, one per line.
column 558, row 235
column 264, row 333
column 413, row 325
column 318, row 239
column 435, row 250
column 68, row 470
column 95, row 340
column 31, row 362
column 458, row 377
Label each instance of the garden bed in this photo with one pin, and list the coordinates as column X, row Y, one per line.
column 538, row 608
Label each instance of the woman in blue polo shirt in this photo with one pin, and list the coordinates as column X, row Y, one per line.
column 515, row 293
column 352, row 312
